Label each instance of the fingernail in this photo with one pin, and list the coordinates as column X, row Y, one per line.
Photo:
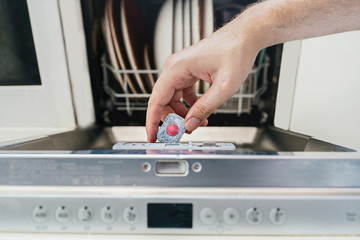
column 192, row 124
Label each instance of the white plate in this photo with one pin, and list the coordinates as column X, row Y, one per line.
column 207, row 18
column 113, row 14
column 110, row 47
column 195, row 21
column 207, row 13
column 149, row 77
column 132, row 30
column 187, row 24
column 163, row 36
column 178, row 26
column 195, row 31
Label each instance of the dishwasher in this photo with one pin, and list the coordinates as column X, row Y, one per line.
column 279, row 158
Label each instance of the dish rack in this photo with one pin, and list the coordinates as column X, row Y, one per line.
column 249, row 93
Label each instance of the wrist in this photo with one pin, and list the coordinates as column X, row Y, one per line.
column 255, row 27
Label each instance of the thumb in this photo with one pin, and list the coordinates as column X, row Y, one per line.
column 214, row 97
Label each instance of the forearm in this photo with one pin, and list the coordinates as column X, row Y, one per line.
column 277, row 21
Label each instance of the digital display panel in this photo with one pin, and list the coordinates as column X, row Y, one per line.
column 170, row 215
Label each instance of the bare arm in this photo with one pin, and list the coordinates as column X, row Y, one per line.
column 278, row 21
column 226, row 57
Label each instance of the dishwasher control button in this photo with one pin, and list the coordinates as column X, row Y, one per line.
column 254, row 215
column 40, row 214
column 85, row 214
column 277, row 216
column 108, row 214
column 63, row 214
column 131, row 215
column 208, row 216
column 231, row 216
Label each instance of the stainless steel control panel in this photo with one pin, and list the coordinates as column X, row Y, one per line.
column 180, row 192
column 182, row 214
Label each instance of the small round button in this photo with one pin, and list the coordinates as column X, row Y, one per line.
column 254, row 216
column 131, row 215
column 108, row 214
column 196, row 167
column 40, row 214
column 208, row 216
column 63, row 214
column 277, row 216
column 85, row 214
column 231, row 216
column 172, row 129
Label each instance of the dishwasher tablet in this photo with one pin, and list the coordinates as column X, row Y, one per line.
column 172, row 129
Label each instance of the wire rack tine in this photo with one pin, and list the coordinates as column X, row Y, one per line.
column 248, row 94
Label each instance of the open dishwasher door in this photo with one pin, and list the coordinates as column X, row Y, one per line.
column 180, row 192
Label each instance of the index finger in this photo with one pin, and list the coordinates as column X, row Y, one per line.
column 160, row 97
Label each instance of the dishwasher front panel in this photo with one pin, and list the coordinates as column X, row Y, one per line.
column 180, row 168
column 180, row 192
column 190, row 214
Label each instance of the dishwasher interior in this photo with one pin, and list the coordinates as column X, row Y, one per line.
column 247, row 119
column 252, row 105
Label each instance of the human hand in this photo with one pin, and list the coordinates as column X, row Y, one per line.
column 223, row 59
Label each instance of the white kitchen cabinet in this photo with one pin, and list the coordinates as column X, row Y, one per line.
column 319, row 88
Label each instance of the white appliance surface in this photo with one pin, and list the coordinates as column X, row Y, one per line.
column 52, row 99
column 13, row 135
column 326, row 88
column 74, row 37
column 40, row 110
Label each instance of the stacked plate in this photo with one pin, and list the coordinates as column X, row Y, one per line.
column 180, row 24
column 125, row 42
